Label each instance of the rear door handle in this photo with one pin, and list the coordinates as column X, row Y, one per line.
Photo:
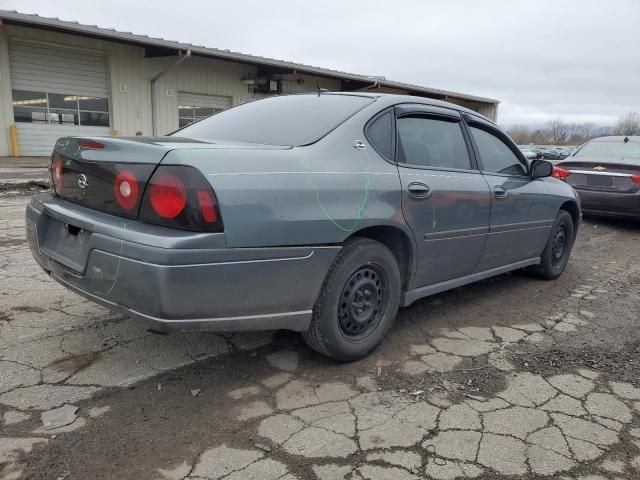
column 500, row 192
column 419, row 190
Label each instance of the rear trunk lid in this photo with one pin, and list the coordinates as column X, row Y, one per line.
column 90, row 170
column 603, row 174
column 84, row 170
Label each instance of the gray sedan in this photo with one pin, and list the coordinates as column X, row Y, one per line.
column 606, row 173
column 320, row 213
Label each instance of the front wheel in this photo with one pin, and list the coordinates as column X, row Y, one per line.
column 358, row 302
column 555, row 255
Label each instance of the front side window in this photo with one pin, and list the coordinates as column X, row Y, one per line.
column 427, row 142
column 60, row 108
column 495, row 155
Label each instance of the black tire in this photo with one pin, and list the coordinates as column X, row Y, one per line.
column 555, row 255
column 358, row 302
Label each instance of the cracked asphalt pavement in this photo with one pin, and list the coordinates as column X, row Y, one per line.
column 512, row 377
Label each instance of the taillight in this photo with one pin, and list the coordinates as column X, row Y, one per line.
column 180, row 197
column 561, row 173
column 125, row 189
column 90, row 145
column 57, row 172
column 168, row 196
column 636, row 179
column 207, row 206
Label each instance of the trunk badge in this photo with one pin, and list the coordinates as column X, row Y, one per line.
column 83, row 181
column 599, row 168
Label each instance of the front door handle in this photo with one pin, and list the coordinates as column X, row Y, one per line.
column 419, row 190
column 500, row 192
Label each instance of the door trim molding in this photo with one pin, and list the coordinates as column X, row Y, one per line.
column 509, row 227
column 465, row 232
column 411, row 296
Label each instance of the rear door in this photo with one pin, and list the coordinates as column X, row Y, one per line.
column 522, row 210
column 445, row 199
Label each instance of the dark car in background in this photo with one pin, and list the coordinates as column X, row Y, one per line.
column 606, row 173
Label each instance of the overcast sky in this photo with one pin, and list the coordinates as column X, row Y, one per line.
column 577, row 60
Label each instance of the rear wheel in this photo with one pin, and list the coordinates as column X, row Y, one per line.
column 358, row 302
column 555, row 255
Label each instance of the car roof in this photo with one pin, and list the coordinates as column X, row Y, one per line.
column 389, row 99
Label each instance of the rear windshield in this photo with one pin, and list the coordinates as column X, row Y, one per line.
column 617, row 149
column 289, row 120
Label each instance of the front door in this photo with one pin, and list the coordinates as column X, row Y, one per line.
column 445, row 199
column 522, row 211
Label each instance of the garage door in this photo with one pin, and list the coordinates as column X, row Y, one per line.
column 57, row 92
column 193, row 107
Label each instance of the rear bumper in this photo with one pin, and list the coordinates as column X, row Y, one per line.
column 171, row 280
column 610, row 204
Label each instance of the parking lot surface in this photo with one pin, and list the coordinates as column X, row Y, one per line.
column 512, row 377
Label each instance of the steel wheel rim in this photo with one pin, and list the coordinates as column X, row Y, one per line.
column 362, row 302
column 558, row 245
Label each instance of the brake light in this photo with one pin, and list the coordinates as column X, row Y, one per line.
column 125, row 189
column 57, row 173
column 88, row 144
column 207, row 207
column 180, row 197
column 168, row 196
column 636, row 179
column 560, row 173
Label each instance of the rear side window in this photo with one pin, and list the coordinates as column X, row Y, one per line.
column 616, row 149
column 495, row 155
column 427, row 142
column 289, row 120
column 380, row 134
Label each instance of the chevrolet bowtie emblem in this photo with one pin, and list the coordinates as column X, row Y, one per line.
column 599, row 168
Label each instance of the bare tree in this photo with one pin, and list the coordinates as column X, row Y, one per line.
column 581, row 132
column 628, row 124
column 520, row 134
column 558, row 131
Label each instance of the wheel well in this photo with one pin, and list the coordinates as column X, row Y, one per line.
column 398, row 242
column 573, row 210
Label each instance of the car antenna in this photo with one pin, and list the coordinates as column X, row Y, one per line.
column 626, row 140
column 320, row 90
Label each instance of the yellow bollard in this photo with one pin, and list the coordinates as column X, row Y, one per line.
column 13, row 134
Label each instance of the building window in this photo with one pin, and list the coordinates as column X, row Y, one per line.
column 187, row 114
column 60, row 109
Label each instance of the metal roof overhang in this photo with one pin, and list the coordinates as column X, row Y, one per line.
column 162, row 47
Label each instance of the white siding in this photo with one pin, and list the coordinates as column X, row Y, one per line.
column 198, row 100
column 43, row 68
column 307, row 83
column 196, row 75
column 129, row 110
column 39, row 139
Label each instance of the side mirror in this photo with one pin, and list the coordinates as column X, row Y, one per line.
column 540, row 169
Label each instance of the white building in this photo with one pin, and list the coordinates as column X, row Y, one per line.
column 61, row 78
